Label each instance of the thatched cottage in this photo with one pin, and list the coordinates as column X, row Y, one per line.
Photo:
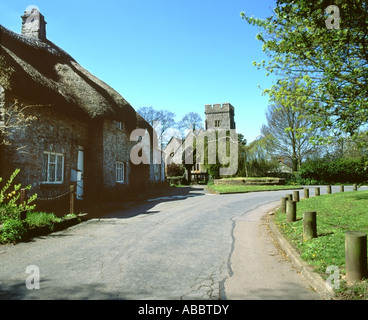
column 82, row 129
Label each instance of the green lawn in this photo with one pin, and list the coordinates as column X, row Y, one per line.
column 336, row 214
column 223, row 189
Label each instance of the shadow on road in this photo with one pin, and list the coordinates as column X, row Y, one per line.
column 145, row 206
column 95, row 291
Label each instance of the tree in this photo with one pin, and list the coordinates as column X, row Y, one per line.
column 191, row 121
column 291, row 132
column 329, row 61
column 242, row 143
column 345, row 147
column 255, row 159
column 13, row 117
column 160, row 120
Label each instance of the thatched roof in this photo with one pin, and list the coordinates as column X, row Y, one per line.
column 42, row 73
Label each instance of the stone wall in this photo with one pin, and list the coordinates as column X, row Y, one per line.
column 139, row 179
column 103, row 144
column 253, row 181
column 51, row 132
column 116, row 148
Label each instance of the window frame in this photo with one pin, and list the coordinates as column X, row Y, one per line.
column 56, row 164
column 119, row 125
column 120, row 172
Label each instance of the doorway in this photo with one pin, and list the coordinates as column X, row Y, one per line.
column 80, row 172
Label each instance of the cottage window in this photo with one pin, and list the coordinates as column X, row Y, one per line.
column 53, row 168
column 119, row 125
column 120, row 172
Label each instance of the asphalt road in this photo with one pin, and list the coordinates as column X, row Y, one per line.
column 194, row 245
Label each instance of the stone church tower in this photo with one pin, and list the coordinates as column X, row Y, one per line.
column 220, row 116
column 34, row 24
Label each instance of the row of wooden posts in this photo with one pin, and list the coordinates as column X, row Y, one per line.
column 355, row 241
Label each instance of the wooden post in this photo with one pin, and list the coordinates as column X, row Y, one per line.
column 342, row 189
column 290, row 197
column 355, row 255
column 329, row 189
column 317, row 191
column 306, row 193
column 296, row 196
column 283, row 204
column 355, row 187
column 291, row 211
column 22, row 198
column 22, row 201
column 72, row 196
column 309, row 225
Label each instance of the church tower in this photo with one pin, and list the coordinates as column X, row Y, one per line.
column 220, row 116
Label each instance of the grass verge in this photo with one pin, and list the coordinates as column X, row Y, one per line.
column 15, row 230
column 336, row 214
column 40, row 219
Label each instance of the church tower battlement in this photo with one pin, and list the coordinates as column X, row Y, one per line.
column 220, row 116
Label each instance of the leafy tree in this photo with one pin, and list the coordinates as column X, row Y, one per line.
column 330, row 65
column 242, row 156
column 241, row 140
column 291, row 132
column 256, row 159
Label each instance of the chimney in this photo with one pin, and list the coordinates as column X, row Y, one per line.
column 34, row 24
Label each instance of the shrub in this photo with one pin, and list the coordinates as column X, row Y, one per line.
column 12, row 231
column 9, row 195
column 175, row 181
column 213, row 171
column 175, row 170
column 324, row 171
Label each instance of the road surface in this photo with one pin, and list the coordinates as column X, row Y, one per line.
column 194, row 245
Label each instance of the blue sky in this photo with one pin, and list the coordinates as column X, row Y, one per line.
column 177, row 55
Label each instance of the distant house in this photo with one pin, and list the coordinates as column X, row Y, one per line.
column 283, row 166
column 82, row 132
column 173, row 151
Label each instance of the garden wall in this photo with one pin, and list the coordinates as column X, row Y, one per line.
column 251, row 181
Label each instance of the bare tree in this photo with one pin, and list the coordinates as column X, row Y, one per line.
column 160, row 120
column 13, row 117
column 191, row 121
